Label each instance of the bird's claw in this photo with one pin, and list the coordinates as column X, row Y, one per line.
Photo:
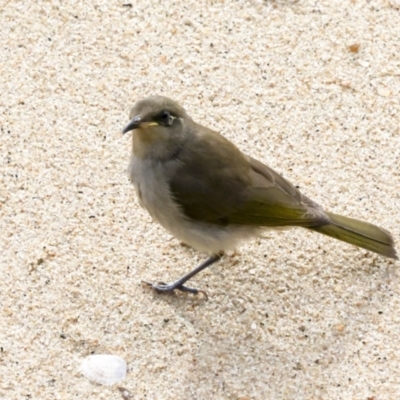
column 162, row 287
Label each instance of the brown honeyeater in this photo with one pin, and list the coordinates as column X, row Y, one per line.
column 208, row 194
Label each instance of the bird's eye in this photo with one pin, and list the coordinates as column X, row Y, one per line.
column 166, row 118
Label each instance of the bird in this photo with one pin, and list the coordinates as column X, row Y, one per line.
column 211, row 196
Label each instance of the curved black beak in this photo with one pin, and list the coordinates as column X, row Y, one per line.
column 132, row 124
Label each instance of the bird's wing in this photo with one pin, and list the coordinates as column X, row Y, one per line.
column 236, row 189
column 210, row 178
column 274, row 201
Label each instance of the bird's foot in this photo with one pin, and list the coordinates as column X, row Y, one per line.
column 162, row 287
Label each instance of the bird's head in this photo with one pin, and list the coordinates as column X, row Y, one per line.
column 159, row 125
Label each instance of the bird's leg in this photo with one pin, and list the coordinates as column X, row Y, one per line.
column 178, row 285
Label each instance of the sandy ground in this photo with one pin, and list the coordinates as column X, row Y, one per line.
column 310, row 88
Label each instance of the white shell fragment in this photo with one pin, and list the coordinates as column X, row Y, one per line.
column 105, row 369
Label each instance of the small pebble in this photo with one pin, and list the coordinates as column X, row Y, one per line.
column 104, row 369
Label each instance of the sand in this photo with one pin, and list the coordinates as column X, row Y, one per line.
column 310, row 88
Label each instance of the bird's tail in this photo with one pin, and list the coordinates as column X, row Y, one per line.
column 359, row 233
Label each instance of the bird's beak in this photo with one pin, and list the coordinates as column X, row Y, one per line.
column 132, row 124
column 137, row 122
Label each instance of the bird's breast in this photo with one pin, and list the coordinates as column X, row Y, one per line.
column 150, row 181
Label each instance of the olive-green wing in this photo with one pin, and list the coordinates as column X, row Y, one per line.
column 274, row 201
column 210, row 178
column 214, row 182
column 274, row 208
